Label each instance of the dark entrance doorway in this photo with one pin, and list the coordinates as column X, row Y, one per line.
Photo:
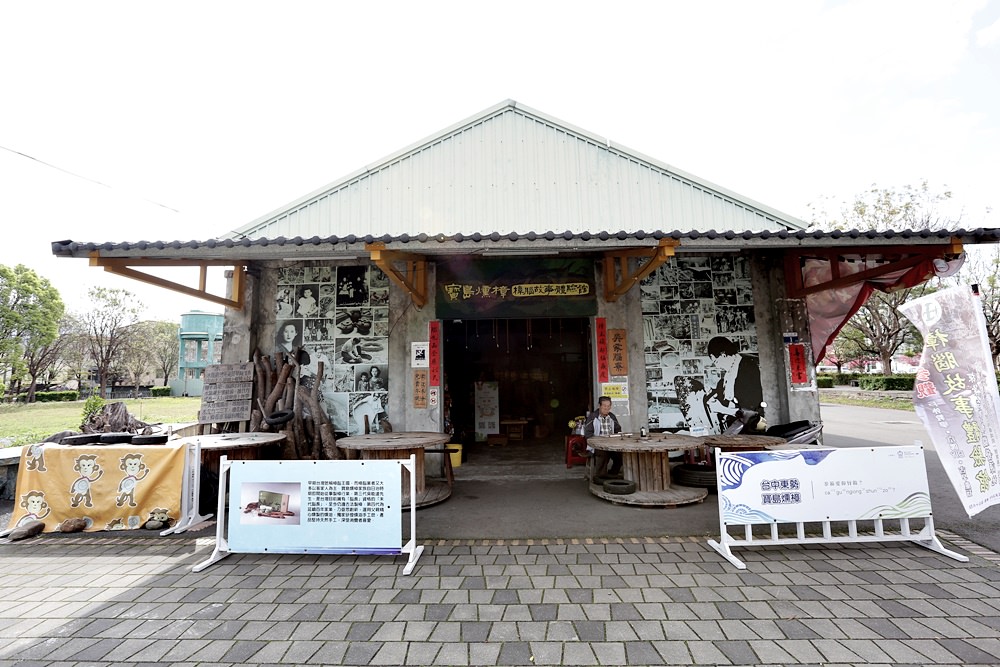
column 541, row 367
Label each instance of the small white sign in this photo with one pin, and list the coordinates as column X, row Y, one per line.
column 419, row 355
column 432, row 396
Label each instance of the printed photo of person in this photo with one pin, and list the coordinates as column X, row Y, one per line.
column 308, row 306
column 288, row 336
column 739, row 387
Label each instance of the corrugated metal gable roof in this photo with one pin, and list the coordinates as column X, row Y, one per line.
column 512, row 169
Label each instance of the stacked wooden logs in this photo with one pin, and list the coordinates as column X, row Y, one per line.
column 279, row 387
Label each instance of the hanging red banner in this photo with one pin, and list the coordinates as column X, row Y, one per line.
column 601, row 337
column 797, row 364
column 434, row 353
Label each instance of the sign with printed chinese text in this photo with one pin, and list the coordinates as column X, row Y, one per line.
column 797, row 365
column 618, row 393
column 420, row 388
column 823, row 485
column 601, row 345
column 955, row 393
column 477, row 288
column 226, row 396
column 618, row 352
column 487, row 406
column 434, row 353
column 315, row 507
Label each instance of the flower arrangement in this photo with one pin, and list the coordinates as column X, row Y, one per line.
column 576, row 421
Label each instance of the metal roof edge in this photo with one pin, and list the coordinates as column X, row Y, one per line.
column 529, row 112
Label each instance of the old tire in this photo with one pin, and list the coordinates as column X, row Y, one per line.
column 691, row 474
column 158, row 439
column 618, row 487
column 83, row 439
column 280, row 417
column 117, row 438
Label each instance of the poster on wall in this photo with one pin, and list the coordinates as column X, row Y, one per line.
column 487, row 406
column 955, row 393
column 339, row 315
column 699, row 343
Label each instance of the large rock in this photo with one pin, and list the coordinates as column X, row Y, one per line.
column 29, row 529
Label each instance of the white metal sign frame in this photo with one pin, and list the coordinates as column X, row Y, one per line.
column 875, row 491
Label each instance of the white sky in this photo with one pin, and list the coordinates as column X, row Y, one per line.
column 199, row 117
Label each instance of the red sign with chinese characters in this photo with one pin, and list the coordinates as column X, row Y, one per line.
column 797, row 363
column 618, row 340
column 434, row 353
column 601, row 334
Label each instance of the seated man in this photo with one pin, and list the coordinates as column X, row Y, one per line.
column 604, row 423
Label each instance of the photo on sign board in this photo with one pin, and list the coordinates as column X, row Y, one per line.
column 352, row 286
column 271, row 503
column 307, row 300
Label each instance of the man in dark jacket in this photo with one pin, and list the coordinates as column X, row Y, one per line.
column 604, row 423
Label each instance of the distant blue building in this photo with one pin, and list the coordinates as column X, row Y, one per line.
column 200, row 345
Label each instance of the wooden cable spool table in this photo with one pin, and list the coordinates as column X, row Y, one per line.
column 400, row 445
column 646, row 461
column 236, row 446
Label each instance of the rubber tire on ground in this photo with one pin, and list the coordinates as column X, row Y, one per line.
column 692, row 474
column 618, row 487
column 159, row 439
column 83, row 439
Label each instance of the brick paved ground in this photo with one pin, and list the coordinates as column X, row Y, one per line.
column 102, row 599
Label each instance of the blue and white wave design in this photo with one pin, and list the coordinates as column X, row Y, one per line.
column 732, row 466
column 915, row 505
column 741, row 514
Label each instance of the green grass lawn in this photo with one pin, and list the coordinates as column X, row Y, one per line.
column 26, row 424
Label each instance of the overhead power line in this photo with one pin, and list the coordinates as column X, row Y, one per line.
column 81, row 177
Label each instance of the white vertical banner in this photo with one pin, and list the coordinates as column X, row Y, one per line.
column 955, row 393
column 487, row 404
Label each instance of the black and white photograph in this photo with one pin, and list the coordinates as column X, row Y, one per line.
column 352, row 286
column 307, row 300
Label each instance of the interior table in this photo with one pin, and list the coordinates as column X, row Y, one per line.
column 646, row 461
column 401, row 445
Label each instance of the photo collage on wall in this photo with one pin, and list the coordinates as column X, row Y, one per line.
column 700, row 343
column 340, row 316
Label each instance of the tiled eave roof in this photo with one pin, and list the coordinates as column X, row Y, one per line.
column 336, row 247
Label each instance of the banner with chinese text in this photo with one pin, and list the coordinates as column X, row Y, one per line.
column 476, row 288
column 955, row 393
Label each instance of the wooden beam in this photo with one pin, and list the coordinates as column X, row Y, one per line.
column 896, row 259
column 413, row 277
column 125, row 267
column 618, row 259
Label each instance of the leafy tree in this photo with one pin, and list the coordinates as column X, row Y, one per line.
column 30, row 310
column 107, row 326
column 982, row 268
column 909, row 207
column 136, row 358
column 165, row 348
column 75, row 354
column 43, row 359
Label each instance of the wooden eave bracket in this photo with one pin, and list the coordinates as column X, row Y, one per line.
column 413, row 276
column 899, row 258
column 125, row 267
column 615, row 286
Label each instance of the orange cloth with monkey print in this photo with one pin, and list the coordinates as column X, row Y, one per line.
column 112, row 487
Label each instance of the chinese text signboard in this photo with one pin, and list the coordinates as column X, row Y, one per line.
column 434, row 353
column 420, row 388
column 227, row 393
column 797, row 364
column 618, row 353
column 955, row 393
column 601, row 341
column 545, row 287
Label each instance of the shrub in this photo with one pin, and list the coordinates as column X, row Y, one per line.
column 56, row 396
column 157, row 392
column 93, row 405
column 887, row 382
column 844, row 378
column 824, row 382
